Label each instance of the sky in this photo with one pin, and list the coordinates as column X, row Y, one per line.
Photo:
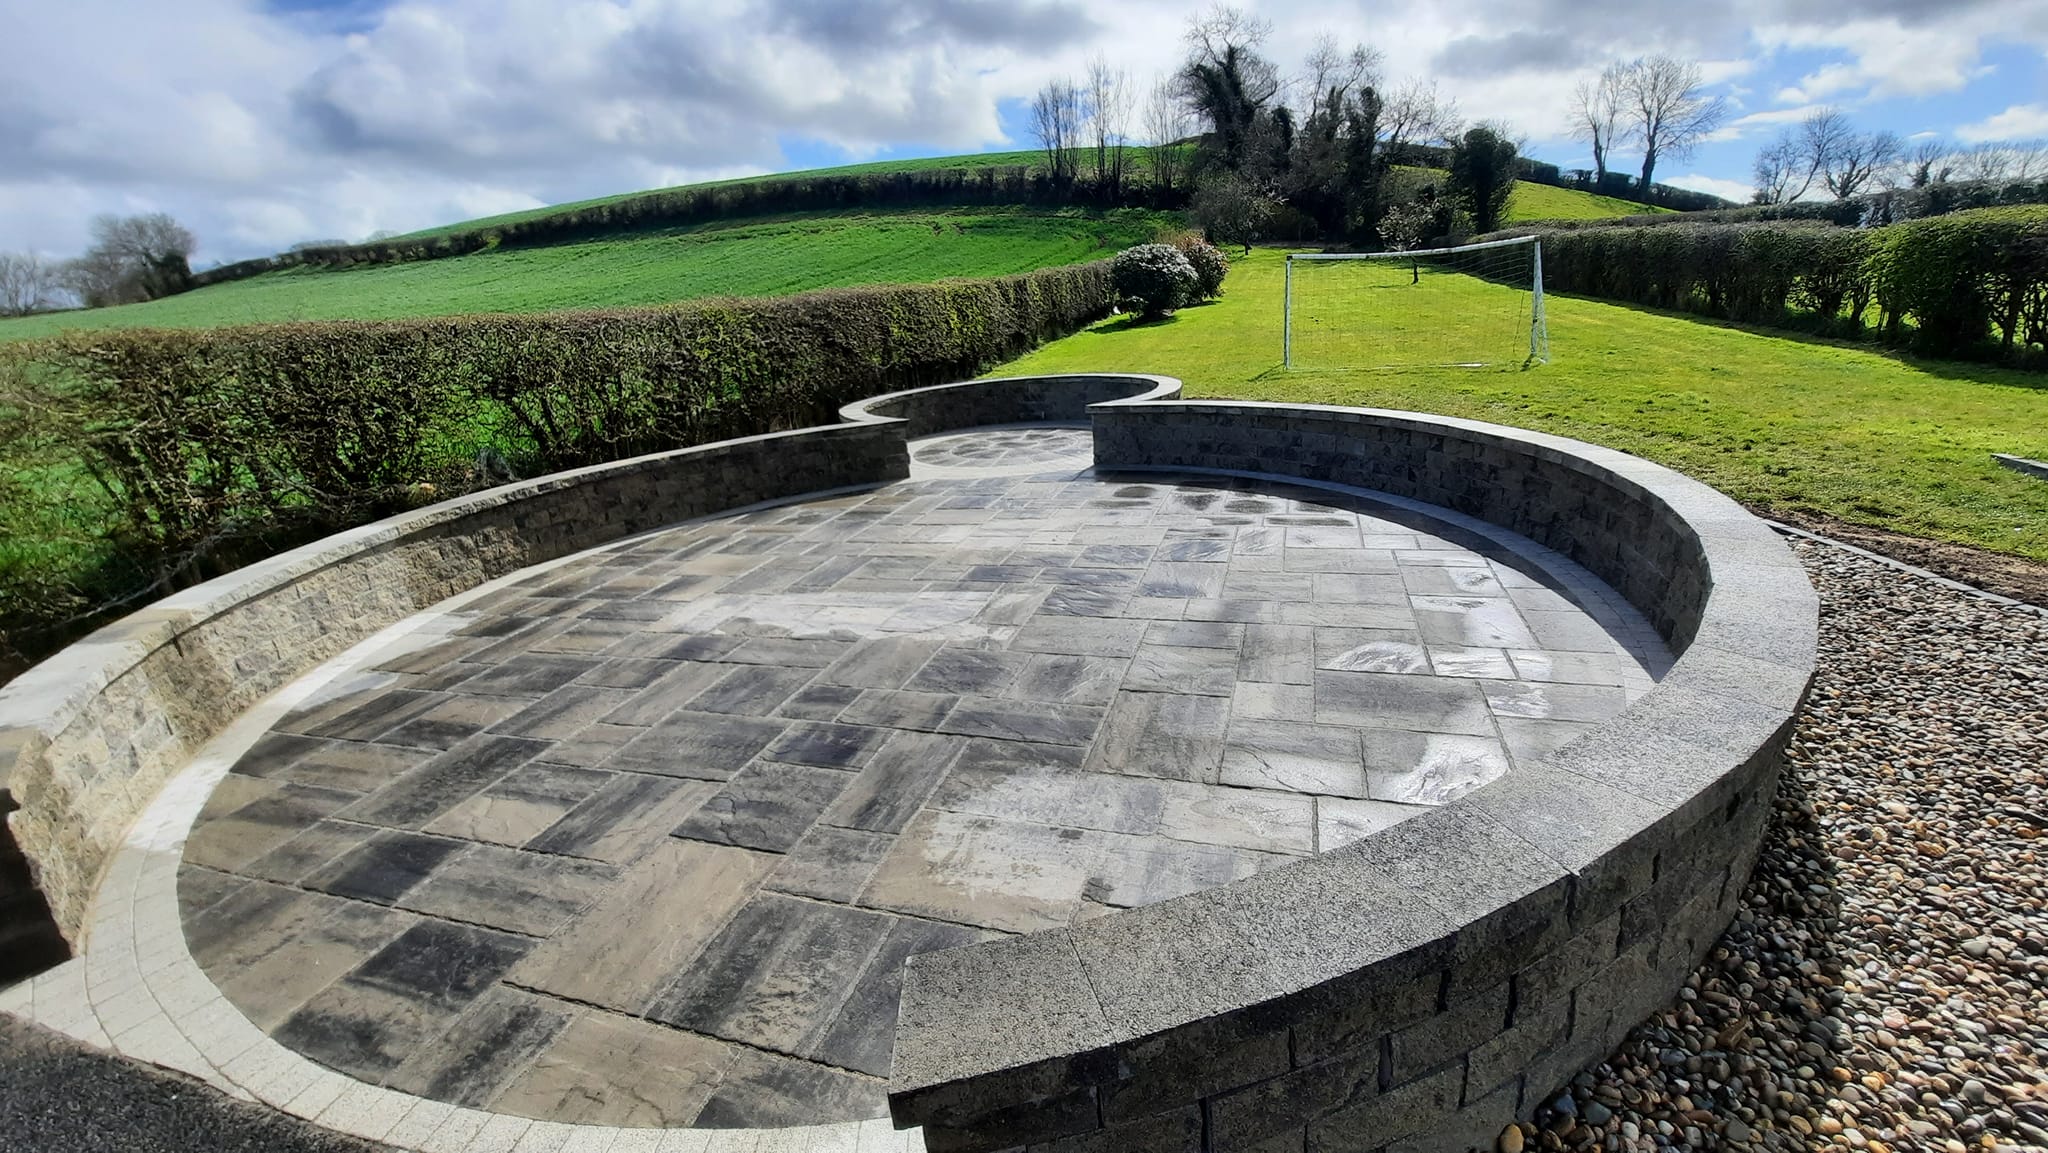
column 262, row 123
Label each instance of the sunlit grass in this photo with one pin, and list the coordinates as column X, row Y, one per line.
column 1781, row 422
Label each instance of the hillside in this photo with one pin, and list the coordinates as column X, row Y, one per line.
column 745, row 256
column 1031, row 158
column 1532, row 201
column 759, row 257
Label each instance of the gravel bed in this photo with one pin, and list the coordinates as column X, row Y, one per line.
column 1886, row 984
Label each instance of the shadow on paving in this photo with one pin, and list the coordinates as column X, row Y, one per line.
column 56, row 1094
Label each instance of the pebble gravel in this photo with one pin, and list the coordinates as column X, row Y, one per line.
column 1885, row 986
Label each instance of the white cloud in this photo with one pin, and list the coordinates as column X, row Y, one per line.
column 2015, row 123
column 260, row 129
column 1757, row 123
column 1738, row 191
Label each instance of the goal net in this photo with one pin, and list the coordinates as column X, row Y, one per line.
column 1477, row 305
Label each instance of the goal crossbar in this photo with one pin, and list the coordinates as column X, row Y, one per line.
column 1538, row 336
column 1406, row 253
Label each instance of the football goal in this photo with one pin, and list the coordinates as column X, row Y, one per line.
column 1476, row 305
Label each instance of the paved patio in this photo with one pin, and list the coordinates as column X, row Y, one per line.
column 645, row 838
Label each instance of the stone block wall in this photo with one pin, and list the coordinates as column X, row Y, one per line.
column 1419, row 989
column 88, row 737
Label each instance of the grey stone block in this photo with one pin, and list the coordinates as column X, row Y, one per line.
column 1395, row 1114
column 1248, row 1117
column 1444, row 1037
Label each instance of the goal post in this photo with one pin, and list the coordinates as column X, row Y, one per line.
column 1472, row 305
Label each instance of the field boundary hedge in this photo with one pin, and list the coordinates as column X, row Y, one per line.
column 207, row 449
column 1968, row 285
column 1871, row 210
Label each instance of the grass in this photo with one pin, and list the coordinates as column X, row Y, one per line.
column 1026, row 159
column 747, row 258
column 1783, row 423
column 1548, row 202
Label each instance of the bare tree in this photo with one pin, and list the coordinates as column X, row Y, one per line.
column 27, row 284
column 1056, row 122
column 1777, row 167
column 1329, row 68
column 1109, row 116
column 132, row 258
column 1166, row 125
column 1417, row 114
column 1228, row 84
column 1598, row 118
column 1224, row 26
column 2003, row 160
column 1931, row 161
column 1668, row 111
column 2029, row 159
column 1857, row 159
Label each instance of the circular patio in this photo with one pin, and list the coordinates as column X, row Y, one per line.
column 644, row 837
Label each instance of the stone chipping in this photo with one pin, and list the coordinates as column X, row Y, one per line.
column 1885, row 986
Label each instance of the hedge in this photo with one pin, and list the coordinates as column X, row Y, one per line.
column 682, row 207
column 205, row 449
column 1972, row 284
column 1870, row 210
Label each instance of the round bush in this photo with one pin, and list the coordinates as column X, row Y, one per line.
column 1154, row 279
column 1211, row 266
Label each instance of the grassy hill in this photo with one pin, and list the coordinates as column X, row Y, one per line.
column 1549, row 202
column 1027, row 159
column 759, row 257
column 736, row 257
column 1787, row 423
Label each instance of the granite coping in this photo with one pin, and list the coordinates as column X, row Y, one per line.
column 1260, row 944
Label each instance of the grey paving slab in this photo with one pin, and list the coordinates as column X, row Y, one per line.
column 776, row 975
column 649, row 839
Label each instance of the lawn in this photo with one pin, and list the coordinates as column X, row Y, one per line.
column 1781, row 422
column 755, row 257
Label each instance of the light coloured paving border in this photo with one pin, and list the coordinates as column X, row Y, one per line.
column 139, row 992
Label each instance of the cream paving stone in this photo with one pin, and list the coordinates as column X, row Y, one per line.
column 419, row 1123
column 500, row 1134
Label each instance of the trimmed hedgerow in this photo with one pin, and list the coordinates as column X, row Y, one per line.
column 205, row 449
column 1971, row 284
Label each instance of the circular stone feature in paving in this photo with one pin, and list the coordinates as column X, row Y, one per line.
column 645, row 837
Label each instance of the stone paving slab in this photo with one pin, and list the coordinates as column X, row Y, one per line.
column 644, row 838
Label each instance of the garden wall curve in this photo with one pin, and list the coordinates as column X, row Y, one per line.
column 1423, row 987
column 90, row 735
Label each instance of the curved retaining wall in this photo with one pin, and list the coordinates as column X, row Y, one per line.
column 1419, row 989
column 1007, row 400
column 89, row 736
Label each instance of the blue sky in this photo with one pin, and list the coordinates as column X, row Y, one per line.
column 266, row 122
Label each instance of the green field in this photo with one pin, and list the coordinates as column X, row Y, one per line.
column 1781, row 422
column 1549, row 202
column 1028, row 159
column 748, row 258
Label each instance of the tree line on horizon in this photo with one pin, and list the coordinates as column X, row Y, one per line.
column 1314, row 154
column 1825, row 152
